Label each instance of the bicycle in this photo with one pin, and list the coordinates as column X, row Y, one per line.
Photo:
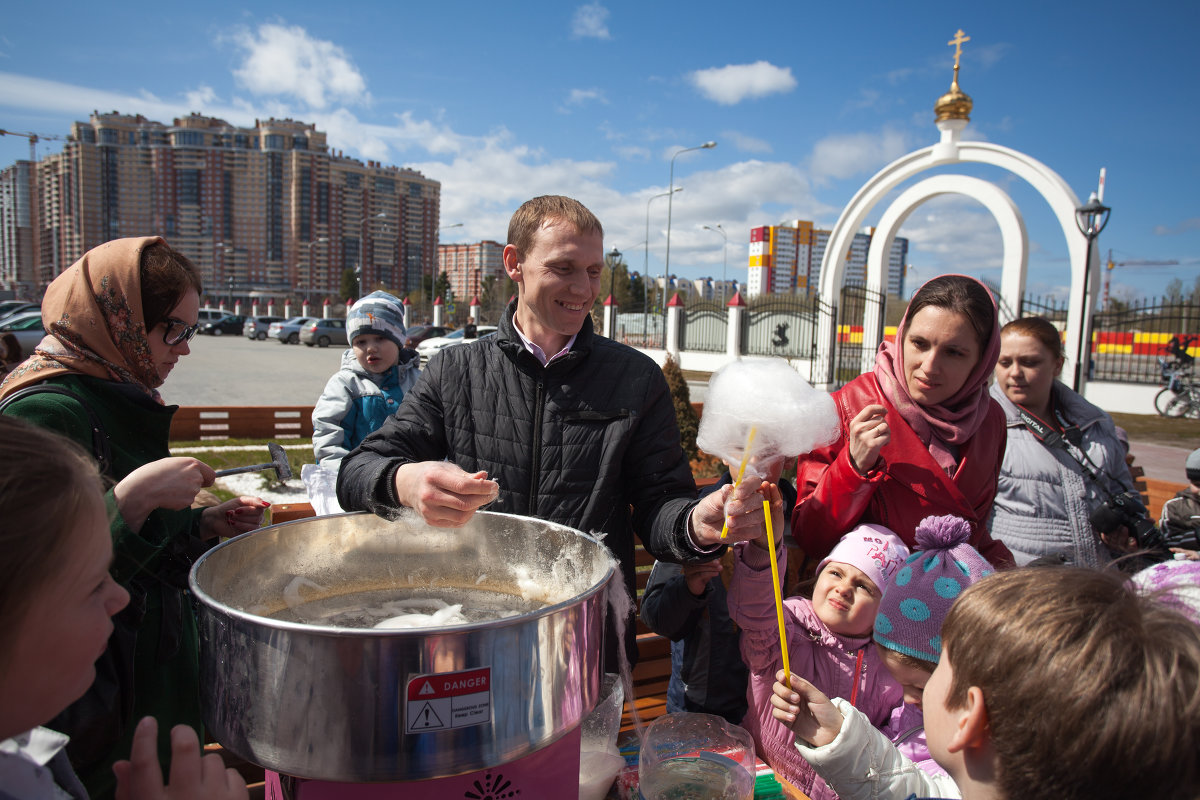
column 1181, row 396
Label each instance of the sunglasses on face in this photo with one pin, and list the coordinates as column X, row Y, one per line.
column 177, row 331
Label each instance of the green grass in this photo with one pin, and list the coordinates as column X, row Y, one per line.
column 219, row 460
column 1160, row 430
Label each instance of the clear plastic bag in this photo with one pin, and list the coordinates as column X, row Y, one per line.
column 599, row 759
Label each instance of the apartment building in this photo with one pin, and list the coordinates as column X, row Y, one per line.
column 16, row 228
column 468, row 266
column 267, row 210
column 787, row 258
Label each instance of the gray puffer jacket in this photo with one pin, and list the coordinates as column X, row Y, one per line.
column 1044, row 498
column 589, row 441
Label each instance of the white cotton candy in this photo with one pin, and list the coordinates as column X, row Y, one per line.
column 788, row 415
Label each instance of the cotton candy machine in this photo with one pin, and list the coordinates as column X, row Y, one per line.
column 294, row 678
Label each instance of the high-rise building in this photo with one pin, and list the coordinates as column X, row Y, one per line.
column 262, row 211
column 16, row 229
column 468, row 266
column 786, row 259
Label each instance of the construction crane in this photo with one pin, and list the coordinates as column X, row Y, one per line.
column 1132, row 263
column 33, row 138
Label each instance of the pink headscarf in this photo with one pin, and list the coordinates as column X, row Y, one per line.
column 953, row 422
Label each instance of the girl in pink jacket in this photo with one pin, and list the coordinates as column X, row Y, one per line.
column 828, row 638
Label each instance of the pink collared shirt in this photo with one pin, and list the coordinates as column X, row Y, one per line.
column 538, row 352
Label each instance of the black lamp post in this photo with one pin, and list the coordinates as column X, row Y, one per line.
column 1091, row 219
column 230, row 283
column 614, row 256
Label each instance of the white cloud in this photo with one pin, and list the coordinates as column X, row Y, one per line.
column 1187, row 225
column 847, row 155
column 283, row 60
column 954, row 234
column 590, row 22
column 201, row 97
column 579, row 97
column 746, row 144
column 734, row 83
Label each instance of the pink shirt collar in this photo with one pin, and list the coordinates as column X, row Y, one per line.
column 538, row 352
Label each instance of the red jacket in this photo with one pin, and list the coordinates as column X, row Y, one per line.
column 905, row 486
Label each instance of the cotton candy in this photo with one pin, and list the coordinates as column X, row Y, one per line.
column 788, row 415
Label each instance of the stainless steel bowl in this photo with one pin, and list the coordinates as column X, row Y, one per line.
column 335, row 703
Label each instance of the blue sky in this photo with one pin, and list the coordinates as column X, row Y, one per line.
column 504, row 101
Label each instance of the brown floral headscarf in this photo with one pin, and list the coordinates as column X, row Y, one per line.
column 94, row 322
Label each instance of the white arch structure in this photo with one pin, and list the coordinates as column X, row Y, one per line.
column 951, row 150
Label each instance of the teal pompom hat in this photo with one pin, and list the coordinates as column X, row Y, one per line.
column 921, row 592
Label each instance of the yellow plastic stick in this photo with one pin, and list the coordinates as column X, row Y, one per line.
column 787, row 670
column 741, row 472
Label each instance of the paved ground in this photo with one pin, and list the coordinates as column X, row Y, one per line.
column 235, row 371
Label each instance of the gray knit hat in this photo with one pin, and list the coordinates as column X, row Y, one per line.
column 1193, row 466
column 916, row 601
column 379, row 313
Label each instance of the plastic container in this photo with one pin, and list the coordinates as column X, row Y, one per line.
column 687, row 756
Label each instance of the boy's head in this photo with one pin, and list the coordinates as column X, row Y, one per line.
column 916, row 600
column 851, row 579
column 1066, row 683
column 374, row 324
column 1193, row 467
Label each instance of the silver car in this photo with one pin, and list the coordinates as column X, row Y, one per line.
column 256, row 327
column 26, row 327
column 288, row 330
column 324, row 332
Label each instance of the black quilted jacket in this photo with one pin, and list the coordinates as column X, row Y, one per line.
column 590, row 441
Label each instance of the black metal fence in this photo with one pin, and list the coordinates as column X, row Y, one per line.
column 1127, row 338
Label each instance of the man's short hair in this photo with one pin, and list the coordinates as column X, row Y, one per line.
column 533, row 213
column 1091, row 689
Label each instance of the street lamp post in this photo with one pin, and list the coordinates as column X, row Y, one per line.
column 613, row 257
column 229, row 282
column 1091, row 219
column 221, row 246
column 433, row 277
column 724, row 255
column 362, row 249
column 670, row 203
column 309, row 245
column 646, row 261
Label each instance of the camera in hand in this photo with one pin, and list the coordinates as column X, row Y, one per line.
column 1127, row 509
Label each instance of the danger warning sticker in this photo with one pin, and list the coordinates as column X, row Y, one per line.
column 448, row 700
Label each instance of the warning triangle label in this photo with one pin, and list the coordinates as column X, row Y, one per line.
column 426, row 719
column 426, row 689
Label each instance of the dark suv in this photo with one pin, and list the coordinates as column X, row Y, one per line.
column 419, row 333
column 230, row 324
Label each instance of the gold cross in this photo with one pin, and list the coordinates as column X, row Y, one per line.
column 957, row 41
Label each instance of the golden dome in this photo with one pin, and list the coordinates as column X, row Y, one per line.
column 954, row 104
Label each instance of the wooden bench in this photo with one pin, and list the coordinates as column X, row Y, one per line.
column 192, row 423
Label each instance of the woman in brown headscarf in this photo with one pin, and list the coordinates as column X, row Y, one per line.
column 117, row 321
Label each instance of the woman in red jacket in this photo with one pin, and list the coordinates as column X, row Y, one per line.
column 921, row 436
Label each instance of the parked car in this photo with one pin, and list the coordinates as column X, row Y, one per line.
column 210, row 314
column 427, row 348
column 27, row 327
column 256, row 327
column 324, row 332
column 419, row 333
column 288, row 330
column 230, row 323
column 10, row 307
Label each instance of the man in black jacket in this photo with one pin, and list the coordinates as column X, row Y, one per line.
column 548, row 420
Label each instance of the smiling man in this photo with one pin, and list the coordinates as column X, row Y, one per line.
column 549, row 420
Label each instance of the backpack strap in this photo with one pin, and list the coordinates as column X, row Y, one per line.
column 100, row 446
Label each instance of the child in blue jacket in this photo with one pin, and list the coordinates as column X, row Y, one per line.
column 376, row 372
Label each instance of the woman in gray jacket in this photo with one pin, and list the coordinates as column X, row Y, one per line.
column 1045, row 494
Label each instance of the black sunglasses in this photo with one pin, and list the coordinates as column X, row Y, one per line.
column 177, row 331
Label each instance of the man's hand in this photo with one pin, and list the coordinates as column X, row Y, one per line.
column 697, row 576
column 806, row 710
column 443, row 494
column 193, row 777
column 867, row 434
column 739, row 507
